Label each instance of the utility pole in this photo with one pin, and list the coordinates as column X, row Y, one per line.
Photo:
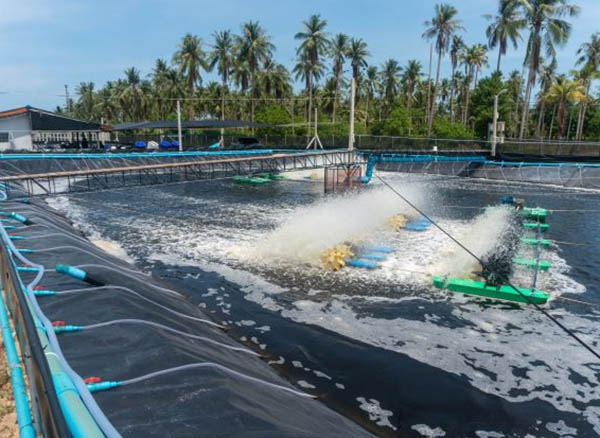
column 495, row 123
column 352, row 99
column 67, row 109
column 179, row 126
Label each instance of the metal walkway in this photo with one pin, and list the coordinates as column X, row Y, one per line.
column 53, row 183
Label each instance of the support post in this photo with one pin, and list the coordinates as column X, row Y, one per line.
column 495, row 127
column 352, row 101
column 179, row 136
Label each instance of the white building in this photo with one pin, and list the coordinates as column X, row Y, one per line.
column 27, row 129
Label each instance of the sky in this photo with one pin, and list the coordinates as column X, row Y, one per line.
column 47, row 44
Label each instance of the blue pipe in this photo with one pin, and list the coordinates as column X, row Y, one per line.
column 16, row 376
column 133, row 155
column 361, row 264
column 383, row 249
column 78, row 274
column 78, row 418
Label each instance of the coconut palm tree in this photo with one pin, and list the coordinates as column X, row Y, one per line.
column 339, row 50
column 313, row 44
column 308, row 72
column 158, row 76
column 564, row 91
column 357, row 54
column 411, row 77
column 589, row 56
column 274, row 80
column 547, row 78
column 547, row 29
column 457, row 47
column 505, row 27
column 222, row 57
column 472, row 58
column 85, row 103
column 254, row 47
column 390, row 80
column 132, row 76
column 479, row 59
column 371, row 86
column 441, row 28
column 190, row 58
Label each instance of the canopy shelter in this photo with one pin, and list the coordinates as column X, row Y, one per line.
column 187, row 124
column 28, row 128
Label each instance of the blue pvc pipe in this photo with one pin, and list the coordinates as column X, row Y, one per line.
column 71, row 271
column 16, row 376
column 132, row 155
column 356, row 263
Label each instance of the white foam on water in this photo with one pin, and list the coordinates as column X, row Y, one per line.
column 561, row 429
column 377, row 414
column 425, row 430
column 80, row 222
column 487, row 434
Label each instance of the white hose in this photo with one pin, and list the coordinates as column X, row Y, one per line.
column 169, row 329
column 126, row 289
column 219, row 367
column 103, row 423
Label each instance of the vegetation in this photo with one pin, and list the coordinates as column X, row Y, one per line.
column 391, row 99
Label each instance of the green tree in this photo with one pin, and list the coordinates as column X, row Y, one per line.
column 505, row 27
column 564, row 91
column 272, row 115
column 339, row 51
column 589, row 57
column 482, row 103
column 190, row 58
column 440, row 28
column 222, row 58
column 547, row 30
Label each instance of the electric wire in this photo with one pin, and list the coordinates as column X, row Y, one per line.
column 483, row 264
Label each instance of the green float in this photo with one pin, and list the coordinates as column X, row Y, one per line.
column 533, row 242
column 535, row 226
column 271, row 176
column 250, row 180
column 542, row 265
column 479, row 288
column 536, row 213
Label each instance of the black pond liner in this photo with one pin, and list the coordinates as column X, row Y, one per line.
column 198, row 402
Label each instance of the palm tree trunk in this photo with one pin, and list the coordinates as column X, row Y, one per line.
column 434, row 97
column 309, row 118
column 335, row 99
column 562, row 125
column 570, row 124
column 427, row 109
column 552, row 122
column 525, row 113
column 452, row 87
column 538, row 130
column 499, row 57
column 583, row 112
column 367, row 111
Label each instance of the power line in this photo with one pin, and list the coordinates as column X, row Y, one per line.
column 485, row 266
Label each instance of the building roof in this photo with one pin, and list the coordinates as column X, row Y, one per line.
column 42, row 120
column 187, row 124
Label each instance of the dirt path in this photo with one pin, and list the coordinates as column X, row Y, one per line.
column 8, row 417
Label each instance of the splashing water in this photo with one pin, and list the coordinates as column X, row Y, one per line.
column 482, row 237
column 308, row 231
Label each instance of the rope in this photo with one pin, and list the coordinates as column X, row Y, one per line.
column 483, row 264
column 587, row 303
